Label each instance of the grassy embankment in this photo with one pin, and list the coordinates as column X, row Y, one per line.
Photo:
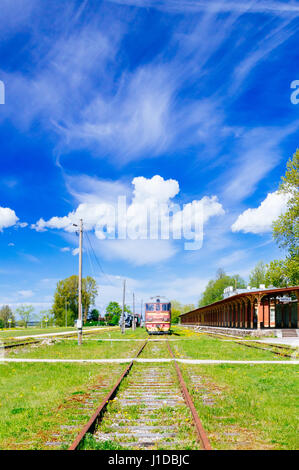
column 246, row 406
column 39, row 402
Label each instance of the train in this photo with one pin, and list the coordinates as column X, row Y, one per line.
column 158, row 316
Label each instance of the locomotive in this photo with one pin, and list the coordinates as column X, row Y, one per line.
column 157, row 316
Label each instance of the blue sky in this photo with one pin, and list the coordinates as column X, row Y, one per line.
column 180, row 101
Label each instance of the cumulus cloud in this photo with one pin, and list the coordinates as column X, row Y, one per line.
column 152, row 213
column 8, row 218
column 259, row 220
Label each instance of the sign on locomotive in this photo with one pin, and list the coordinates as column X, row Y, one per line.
column 158, row 316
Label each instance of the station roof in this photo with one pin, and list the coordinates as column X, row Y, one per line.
column 248, row 293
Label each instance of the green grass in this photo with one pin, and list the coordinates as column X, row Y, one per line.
column 69, row 349
column 155, row 349
column 179, row 415
column 36, row 400
column 13, row 332
column 255, row 406
column 139, row 333
column 206, row 347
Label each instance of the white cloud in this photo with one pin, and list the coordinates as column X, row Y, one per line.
column 139, row 252
column 25, row 293
column 64, row 249
column 11, row 244
column 8, row 218
column 259, row 220
column 151, row 214
column 193, row 6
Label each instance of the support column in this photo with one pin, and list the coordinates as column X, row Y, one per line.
column 259, row 313
column 297, row 295
column 290, row 314
column 251, row 313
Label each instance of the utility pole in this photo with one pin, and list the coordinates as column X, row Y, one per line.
column 133, row 322
column 79, row 321
column 141, row 317
column 123, row 309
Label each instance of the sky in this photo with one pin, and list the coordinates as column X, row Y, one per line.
column 173, row 106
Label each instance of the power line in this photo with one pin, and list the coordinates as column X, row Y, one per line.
column 98, row 262
column 100, row 265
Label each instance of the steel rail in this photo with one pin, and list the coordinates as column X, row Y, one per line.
column 15, row 345
column 268, row 348
column 198, row 425
column 264, row 349
column 98, row 414
column 68, row 335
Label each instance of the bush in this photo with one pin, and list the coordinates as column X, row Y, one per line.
column 91, row 323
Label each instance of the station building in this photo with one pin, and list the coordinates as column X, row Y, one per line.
column 251, row 308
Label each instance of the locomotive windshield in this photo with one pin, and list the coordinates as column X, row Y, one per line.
column 157, row 307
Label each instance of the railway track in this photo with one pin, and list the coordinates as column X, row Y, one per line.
column 11, row 343
column 282, row 350
column 149, row 407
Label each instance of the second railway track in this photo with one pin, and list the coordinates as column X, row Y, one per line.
column 148, row 408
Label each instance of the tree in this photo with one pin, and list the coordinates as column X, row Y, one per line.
column 46, row 317
column 7, row 314
column 214, row 290
column 24, row 312
column 114, row 308
column 282, row 273
column 177, row 309
column 89, row 293
column 67, row 291
column 114, row 311
column 258, row 275
column 94, row 315
column 286, row 229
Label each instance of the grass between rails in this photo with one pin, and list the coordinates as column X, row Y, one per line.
column 206, row 347
column 248, row 406
column 155, row 349
column 69, row 349
column 39, row 402
column 134, row 414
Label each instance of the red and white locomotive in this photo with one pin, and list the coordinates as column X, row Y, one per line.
column 157, row 316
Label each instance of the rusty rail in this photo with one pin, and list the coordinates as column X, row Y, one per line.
column 198, row 425
column 15, row 345
column 264, row 349
column 255, row 346
column 98, row 414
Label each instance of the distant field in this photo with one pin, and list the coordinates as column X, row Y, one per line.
column 11, row 333
column 38, row 402
column 248, row 406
